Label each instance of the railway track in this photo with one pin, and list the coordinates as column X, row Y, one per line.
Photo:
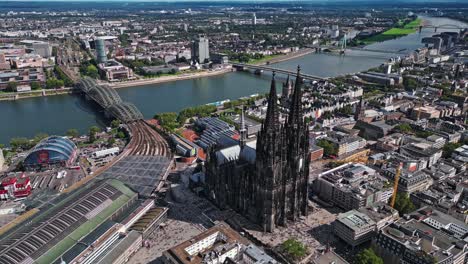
column 146, row 141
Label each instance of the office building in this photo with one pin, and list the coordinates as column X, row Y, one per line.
column 4, row 65
column 425, row 112
column 113, row 70
column 43, row 49
column 254, row 255
column 22, row 77
column 201, row 50
column 373, row 130
column 101, row 54
column 422, row 238
column 345, row 143
column 381, row 213
column 410, row 181
column 461, row 154
column 214, row 245
column 354, row 227
column 329, row 257
column 351, row 186
column 422, row 151
column 27, row 61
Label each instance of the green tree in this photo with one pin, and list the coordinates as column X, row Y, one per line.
column 36, row 86
column 92, row 133
column 92, row 71
column 12, row 86
column 73, row 133
column 328, row 147
column 403, row 204
column 346, row 110
column 38, row 137
column 124, row 40
column 20, row 143
column 168, row 120
column 449, row 148
column 63, row 77
column 410, row 83
column 424, row 134
column 199, row 111
column 115, row 123
column 110, row 142
column 404, row 128
column 121, row 134
column 54, row 83
column 294, row 249
column 368, row 256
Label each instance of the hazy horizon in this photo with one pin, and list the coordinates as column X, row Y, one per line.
column 248, row 1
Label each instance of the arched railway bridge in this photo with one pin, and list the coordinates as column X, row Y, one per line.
column 145, row 141
column 146, row 160
column 109, row 100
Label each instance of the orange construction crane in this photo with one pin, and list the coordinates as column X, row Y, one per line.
column 395, row 184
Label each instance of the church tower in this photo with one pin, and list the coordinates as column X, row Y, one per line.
column 242, row 130
column 269, row 164
column 360, row 110
column 297, row 155
column 287, row 90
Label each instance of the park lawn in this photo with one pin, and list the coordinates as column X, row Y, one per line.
column 393, row 33
column 264, row 59
column 414, row 24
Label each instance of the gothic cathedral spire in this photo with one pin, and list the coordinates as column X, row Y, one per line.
column 271, row 122
column 242, row 130
column 295, row 111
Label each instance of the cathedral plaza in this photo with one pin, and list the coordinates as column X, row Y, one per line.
column 315, row 230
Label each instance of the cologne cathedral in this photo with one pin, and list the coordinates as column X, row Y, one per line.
column 265, row 180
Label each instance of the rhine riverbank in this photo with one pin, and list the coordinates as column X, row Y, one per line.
column 157, row 80
column 203, row 74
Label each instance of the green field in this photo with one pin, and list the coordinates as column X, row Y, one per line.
column 395, row 32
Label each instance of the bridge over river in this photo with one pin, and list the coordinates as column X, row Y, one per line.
column 146, row 160
column 243, row 66
column 109, row 100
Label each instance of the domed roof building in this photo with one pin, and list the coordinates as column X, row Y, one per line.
column 51, row 151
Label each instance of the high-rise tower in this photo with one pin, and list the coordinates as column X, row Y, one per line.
column 201, row 50
column 101, row 50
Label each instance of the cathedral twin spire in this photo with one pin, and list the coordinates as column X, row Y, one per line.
column 272, row 116
column 295, row 112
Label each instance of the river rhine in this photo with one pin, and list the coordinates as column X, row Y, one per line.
column 57, row 114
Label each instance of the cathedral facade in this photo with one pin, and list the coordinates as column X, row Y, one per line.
column 266, row 180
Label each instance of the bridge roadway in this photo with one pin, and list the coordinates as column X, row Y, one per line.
column 399, row 52
column 244, row 66
column 446, row 26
